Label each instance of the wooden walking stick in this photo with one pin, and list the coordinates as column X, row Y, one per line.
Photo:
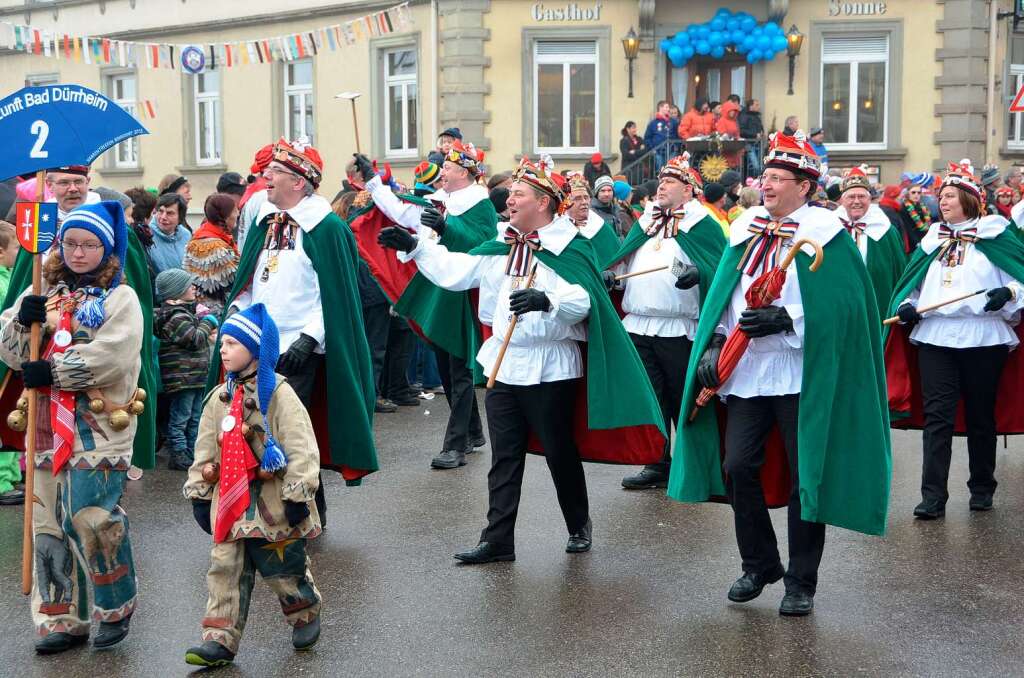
column 676, row 267
column 508, row 335
column 931, row 307
column 352, row 96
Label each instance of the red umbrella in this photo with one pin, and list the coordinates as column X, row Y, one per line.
column 762, row 292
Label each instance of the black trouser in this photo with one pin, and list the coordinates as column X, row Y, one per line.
column 665, row 359
column 946, row 375
column 394, row 380
column 547, row 409
column 302, row 383
column 748, row 422
column 376, row 322
column 464, row 416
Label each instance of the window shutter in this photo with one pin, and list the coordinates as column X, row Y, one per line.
column 860, row 48
column 566, row 48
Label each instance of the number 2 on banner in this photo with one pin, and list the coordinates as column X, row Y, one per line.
column 42, row 131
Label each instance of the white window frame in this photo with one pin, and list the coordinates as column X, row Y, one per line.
column 214, row 135
column 854, row 62
column 403, row 81
column 41, row 79
column 129, row 105
column 303, row 91
column 567, row 61
column 1017, row 79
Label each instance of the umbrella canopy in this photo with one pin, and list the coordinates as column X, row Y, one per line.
column 59, row 125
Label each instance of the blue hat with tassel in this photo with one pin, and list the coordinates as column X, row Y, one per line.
column 257, row 331
column 106, row 221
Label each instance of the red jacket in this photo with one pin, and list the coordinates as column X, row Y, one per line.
column 696, row 124
column 728, row 123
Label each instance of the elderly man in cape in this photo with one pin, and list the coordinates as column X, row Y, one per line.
column 662, row 307
column 542, row 273
column 812, row 376
column 591, row 226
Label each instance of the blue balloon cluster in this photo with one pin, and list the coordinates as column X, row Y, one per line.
column 760, row 42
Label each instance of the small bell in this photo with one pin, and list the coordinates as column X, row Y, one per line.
column 22, row 404
column 140, row 395
column 136, row 408
column 211, row 472
column 264, row 475
column 225, row 397
column 119, row 420
column 250, row 403
column 17, row 421
column 96, row 406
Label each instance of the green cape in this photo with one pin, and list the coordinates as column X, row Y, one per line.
column 885, row 262
column 446, row 318
column 619, row 393
column 605, row 243
column 703, row 244
column 343, row 416
column 845, row 458
column 136, row 273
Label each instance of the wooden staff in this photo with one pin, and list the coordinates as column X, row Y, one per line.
column 924, row 309
column 33, row 412
column 636, row 273
column 508, row 335
column 355, row 125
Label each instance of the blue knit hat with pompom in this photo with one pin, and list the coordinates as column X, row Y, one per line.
column 106, row 221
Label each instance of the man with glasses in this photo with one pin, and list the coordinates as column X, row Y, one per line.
column 805, row 411
column 70, row 188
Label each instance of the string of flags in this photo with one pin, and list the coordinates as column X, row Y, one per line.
column 194, row 58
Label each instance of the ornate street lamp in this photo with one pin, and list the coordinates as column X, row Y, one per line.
column 631, row 45
column 794, row 41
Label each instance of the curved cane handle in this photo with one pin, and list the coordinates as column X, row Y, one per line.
column 819, row 255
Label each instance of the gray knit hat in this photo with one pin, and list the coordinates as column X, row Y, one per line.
column 172, row 283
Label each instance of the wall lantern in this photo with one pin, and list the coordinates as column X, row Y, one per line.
column 794, row 41
column 631, row 45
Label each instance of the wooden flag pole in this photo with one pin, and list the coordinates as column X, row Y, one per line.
column 508, row 336
column 33, row 407
column 931, row 307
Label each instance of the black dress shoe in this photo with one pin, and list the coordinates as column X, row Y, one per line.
column 305, row 636
column 750, row 585
column 111, row 633
column 406, row 401
column 981, row 502
column 53, row 643
column 479, row 441
column 646, row 479
column 449, row 459
column 486, row 552
column 796, row 604
column 211, row 653
column 930, row 509
column 580, row 541
column 384, row 406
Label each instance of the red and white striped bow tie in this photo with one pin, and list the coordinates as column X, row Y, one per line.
column 954, row 243
column 762, row 253
column 520, row 256
column 666, row 220
column 854, row 228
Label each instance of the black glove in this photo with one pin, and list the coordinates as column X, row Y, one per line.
column 760, row 322
column 397, row 238
column 292, row 360
column 201, row 512
column 364, row 166
column 36, row 374
column 997, row 298
column 707, row 367
column 907, row 314
column 688, row 278
column 609, row 279
column 432, row 219
column 295, row 512
column 524, row 301
column 33, row 310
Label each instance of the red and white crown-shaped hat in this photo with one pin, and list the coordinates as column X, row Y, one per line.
column 793, row 153
column 855, row 178
column 679, row 168
column 961, row 174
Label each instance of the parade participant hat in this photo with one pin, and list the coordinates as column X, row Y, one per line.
column 300, row 158
column 1004, row 190
column 465, row 155
column 961, row 175
column 989, row 175
column 81, row 170
column 262, row 159
column 105, row 220
column 426, row 174
column 793, row 153
column 678, row 168
column 257, row 331
column 541, row 177
column 577, row 184
column 855, row 178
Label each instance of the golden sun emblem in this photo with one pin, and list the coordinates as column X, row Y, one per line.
column 712, row 167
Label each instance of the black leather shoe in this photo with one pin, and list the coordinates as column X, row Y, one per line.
column 486, row 552
column 646, row 479
column 580, row 541
column 750, row 585
column 981, row 502
column 53, row 643
column 305, row 636
column 796, row 604
column 210, row 653
column 930, row 509
column 406, row 401
column 111, row 633
column 449, row 459
column 478, row 442
column 384, row 406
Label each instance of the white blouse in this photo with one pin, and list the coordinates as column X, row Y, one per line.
column 543, row 346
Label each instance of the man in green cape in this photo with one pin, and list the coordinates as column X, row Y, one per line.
column 595, row 406
column 676, row 232
column 812, row 375
column 591, row 226
column 878, row 241
column 300, row 261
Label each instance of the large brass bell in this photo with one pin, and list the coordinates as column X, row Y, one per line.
column 140, row 395
column 17, row 421
column 22, row 404
column 119, row 420
column 250, row 403
column 96, row 405
column 136, row 408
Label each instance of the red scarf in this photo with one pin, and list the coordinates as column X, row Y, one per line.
column 1003, row 209
column 211, row 230
column 237, row 469
column 62, row 403
column 254, row 187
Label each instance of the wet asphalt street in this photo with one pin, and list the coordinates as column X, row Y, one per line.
column 941, row 598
